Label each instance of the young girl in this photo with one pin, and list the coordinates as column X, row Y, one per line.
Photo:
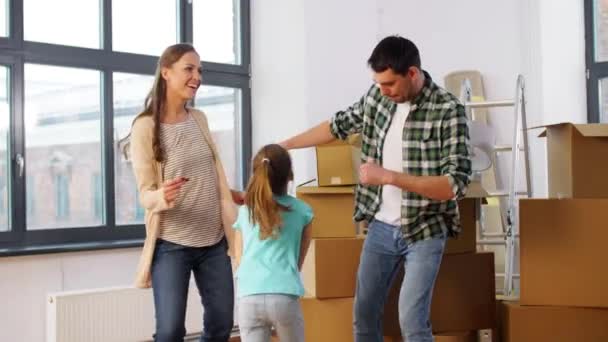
column 272, row 238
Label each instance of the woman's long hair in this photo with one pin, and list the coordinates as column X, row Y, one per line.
column 272, row 172
column 155, row 102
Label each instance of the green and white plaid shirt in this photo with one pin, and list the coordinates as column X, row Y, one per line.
column 435, row 143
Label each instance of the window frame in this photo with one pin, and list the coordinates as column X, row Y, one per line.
column 15, row 53
column 595, row 71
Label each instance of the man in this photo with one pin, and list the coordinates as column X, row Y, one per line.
column 415, row 148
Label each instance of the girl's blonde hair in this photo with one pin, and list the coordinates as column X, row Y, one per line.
column 272, row 171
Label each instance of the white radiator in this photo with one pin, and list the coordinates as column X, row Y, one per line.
column 110, row 315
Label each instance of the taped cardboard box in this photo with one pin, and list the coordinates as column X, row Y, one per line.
column 552, row 323
column 328, row 320
column 563, row 252
column 469, row 208
column 330, row 267
column 576, row 168
column 338, row 162
column 333, row 208
column 466, row 336
column 463, row 298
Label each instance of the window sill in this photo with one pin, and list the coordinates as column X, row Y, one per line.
column 67, row 248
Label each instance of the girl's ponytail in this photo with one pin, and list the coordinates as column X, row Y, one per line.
column 263, row 209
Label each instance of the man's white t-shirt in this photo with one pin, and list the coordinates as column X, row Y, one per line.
column 392, row 159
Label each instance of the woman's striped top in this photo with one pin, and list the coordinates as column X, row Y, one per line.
column 195, row 220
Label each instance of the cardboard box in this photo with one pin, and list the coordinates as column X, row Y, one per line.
column 328, row 320
column 563, row 252
column 330, row 267
column 466, row 242
column 574, row 153
column 338, row 162
column 333, row 208
column 555, row 324
column 463, row 298
column 466, row 336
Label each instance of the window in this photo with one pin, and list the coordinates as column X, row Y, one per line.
column 222, row 107
column 4, row 152
column 596, row 41
column 139, row 210
column 72, row 77
column 130, row 91
column 96, row 196
column 4, row 18
column 216, row 30
column 30, row 188
column 62, row 137
column 62, row 197
column 133, row 20
column 65, row 22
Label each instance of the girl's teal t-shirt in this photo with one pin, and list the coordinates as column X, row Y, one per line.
column 271, row 265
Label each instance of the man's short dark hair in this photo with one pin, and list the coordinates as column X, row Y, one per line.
column 395, row 53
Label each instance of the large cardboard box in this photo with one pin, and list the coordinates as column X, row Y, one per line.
column 554, row 324
column 338, row 162
column 333, row 208
column 576, row 167
column 328, row 320
column 466, row 242
column 330, row 267
column 463, row 298
column 465, row 336
column 469, row 208
column 563, row 252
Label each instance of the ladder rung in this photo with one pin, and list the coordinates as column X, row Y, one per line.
column 501, row 148
column 488, row 104
column 505, row 194
column 515, row 275
column 491, row 242
column 485, row 234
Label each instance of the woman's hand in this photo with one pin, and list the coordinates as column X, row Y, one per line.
column 172, row 187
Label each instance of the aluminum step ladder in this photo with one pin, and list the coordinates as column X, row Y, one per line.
column 477, row 110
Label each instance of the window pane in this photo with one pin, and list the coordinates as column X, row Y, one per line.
column 130, row 91
column 140, row 27
column 601, row 30
column 603, row 89
column 4, row 151
column 48, row 22
column 223, row 109
column 4, row 18
column 216, row 27
column 63, row 150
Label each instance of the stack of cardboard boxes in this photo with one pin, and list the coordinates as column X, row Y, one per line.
column 330, row 268
column 563, row 238
column 464, row 299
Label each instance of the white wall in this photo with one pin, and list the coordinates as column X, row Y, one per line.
column 553, row 61
column 563, row 61
column 328, row 49
column 308, row 61
column 25, row 282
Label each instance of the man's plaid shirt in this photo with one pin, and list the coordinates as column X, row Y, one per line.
column 435, row 143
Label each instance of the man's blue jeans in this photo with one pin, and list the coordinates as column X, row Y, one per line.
column 171, row 268
column 383, row 251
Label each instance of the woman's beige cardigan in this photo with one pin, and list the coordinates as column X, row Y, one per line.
column 149, row 178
